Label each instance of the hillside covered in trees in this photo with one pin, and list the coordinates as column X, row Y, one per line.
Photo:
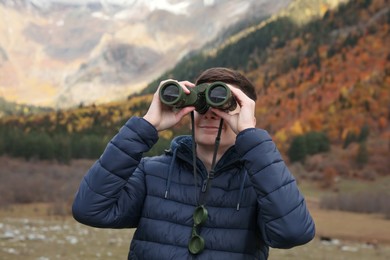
column 325, row 83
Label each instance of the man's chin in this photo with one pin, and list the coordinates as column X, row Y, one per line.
column 206, row 140
column 209, row 131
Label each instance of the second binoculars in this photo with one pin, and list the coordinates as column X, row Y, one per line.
column 202, row 97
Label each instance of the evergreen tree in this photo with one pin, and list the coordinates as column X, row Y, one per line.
column 362, row 154
column 308, row 144
column 63, row 150
column 297, row 151
column 44, row 146
column 364, row 132
column 351, row 137
column 316, row 142
column 2, row 148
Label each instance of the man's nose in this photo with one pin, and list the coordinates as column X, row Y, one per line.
column 210, row 115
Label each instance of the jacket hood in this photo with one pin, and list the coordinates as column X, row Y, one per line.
column 181, row 140
column 183, row 145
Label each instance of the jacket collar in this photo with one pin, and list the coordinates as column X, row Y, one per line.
column 183, row 146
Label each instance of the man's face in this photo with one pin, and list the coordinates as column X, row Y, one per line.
column 206, row 129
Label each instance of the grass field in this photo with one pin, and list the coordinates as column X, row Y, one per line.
column 350, row 236
column 29, row 232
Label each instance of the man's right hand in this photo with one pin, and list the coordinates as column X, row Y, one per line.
column 163, row 117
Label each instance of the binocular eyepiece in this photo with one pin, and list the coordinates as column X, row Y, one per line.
column 202, row 97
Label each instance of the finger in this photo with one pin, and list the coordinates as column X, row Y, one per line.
column 184, row 111
column 242, row 99
column 238, row 93
column 186, row 85
column 230, row 119
column 165, row 81
column 221, row 113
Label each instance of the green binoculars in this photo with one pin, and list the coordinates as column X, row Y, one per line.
column 202, row 97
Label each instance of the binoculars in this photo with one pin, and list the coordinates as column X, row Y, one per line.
column 202, row 97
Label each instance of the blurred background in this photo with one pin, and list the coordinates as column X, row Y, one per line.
column 73, row 72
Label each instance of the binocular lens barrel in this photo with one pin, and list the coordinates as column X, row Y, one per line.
column 170, row 93
column 218, row 94
column 203, row 96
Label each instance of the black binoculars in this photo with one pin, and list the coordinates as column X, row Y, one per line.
column 202, row 97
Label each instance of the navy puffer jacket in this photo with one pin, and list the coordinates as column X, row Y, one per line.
column 253, row 201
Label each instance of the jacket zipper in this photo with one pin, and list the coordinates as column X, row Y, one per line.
column 204, row 185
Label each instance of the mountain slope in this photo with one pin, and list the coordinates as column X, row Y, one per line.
column 331, row 75
column 255, row 36
column 308, row 75
column 11, row 108
column 62, row 53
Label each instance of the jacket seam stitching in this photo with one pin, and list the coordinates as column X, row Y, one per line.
column 258, row 144
column 268, row 165
column 278, row 188
column 117, row 147
column 299, row 204
column 138, row 135
column 110, row 173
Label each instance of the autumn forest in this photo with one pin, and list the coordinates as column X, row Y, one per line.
column 323, row 88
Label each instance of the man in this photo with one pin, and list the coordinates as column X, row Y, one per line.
column 233, row 201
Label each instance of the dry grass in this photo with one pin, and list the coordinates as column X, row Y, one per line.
column 365, row 228
column 30, row 231
column 26, row 232
column 59, row 239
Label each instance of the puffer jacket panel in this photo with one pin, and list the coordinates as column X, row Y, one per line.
column 252, row 201
column 172, row 217
column 283, row 217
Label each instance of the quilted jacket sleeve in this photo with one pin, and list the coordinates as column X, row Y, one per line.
column 283, row 218
column 112, row 192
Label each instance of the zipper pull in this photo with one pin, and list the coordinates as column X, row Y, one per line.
column 204, row 185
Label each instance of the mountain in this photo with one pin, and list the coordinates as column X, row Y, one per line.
column 62, row 53
column 238, row 47
column 12, row 108
column 329, row 74
column 328, row 77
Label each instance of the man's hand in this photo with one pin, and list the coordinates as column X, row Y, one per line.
column 163, row 117
column 244, row 115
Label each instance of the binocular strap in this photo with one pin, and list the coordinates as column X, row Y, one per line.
column 210, row 175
